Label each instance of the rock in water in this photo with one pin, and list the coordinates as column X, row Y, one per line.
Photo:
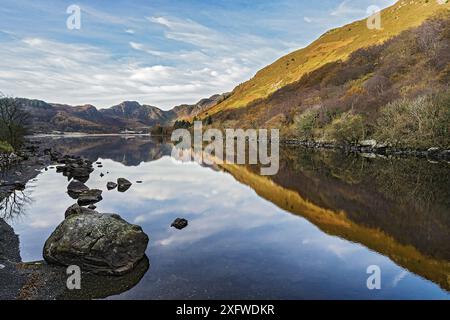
column 90, row 197
column 75, row 209
column 123, row 184
column 179, row 223
column 100, row 243
column 75, row 188
column 111, row 185
column 81, row 172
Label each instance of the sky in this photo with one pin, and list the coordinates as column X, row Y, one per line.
column 161, row 53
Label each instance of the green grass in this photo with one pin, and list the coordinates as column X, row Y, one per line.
column 336, row 44
column 5, row 147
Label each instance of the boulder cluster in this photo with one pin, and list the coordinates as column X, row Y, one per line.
column 101, row 243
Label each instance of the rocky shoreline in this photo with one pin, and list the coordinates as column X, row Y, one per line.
column 109, row 250
column 16, row 169
column 372, row 148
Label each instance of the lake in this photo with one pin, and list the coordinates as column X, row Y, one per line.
column 309, row 232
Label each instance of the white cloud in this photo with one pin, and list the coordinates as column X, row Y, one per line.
column 345, row 9
column 189, row 31
column 399, row 277
column 198, row 59
column 136, row 46
column 79, row 74
column 36, row 67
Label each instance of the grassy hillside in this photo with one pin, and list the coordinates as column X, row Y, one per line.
column 397, row 92
column 334, row 45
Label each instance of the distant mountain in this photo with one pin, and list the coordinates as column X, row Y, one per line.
column 190, row 111
column 47, row 117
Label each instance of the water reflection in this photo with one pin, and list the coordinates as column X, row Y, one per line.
column 266, row 237
column 14, row 205
column 398, row 207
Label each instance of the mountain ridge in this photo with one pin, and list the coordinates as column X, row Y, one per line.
column 46, row 117
column 306, row 79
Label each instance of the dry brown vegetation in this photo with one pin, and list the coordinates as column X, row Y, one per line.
column 334, row 45
column 413, row 65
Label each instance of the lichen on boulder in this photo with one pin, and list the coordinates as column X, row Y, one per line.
column 96, row 242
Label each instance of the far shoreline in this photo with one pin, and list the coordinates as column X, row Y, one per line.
column 84, row 134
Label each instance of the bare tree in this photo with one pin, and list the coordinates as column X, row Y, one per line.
column 13, row 120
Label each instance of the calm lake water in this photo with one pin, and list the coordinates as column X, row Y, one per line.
column 309, row 232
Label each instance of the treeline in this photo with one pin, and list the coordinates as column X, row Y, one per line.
column 420, row 122
column 184, row 124
column 13, row 122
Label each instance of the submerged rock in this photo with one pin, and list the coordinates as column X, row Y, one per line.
column 49, row 282
column 123, row 184
column 179, row 223
column 90, row 197
column 100, row 243
column 111, row 185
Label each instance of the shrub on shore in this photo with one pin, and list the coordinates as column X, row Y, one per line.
column 306, row 124
column 348, row 128
column 419, row 122
column 5, row 147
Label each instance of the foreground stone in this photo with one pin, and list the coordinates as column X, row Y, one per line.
column 123, row 184
column 90, row 197
column 100, row 243
column 179, row 223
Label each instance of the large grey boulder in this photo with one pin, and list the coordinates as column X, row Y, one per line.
column 100, row 243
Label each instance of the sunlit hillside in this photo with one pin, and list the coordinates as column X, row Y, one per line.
column 336, row 44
